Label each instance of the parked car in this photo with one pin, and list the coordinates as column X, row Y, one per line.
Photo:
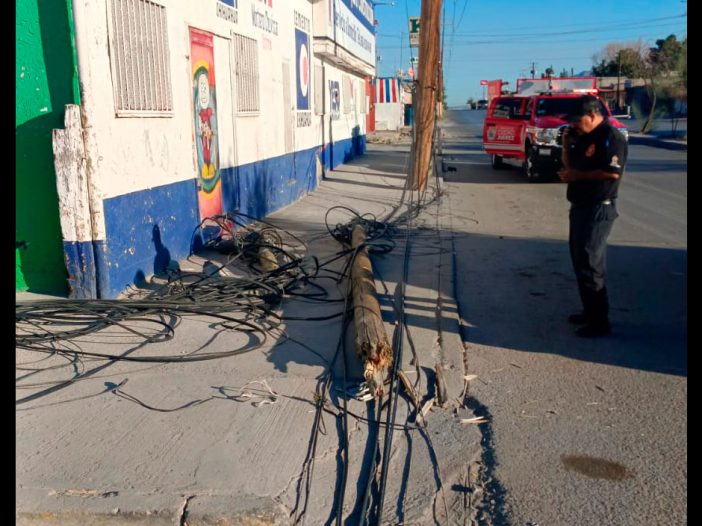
column 529, row 129
column 482, row 104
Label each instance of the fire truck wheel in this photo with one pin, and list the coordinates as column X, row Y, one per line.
column 528, row 167
column 497, row 162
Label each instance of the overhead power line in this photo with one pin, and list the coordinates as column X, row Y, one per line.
column 550, row 38
column 521, row 42
column 612, row 25
column 517, row 59
column 460, row 19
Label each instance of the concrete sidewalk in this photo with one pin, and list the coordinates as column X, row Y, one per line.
column 87, row 456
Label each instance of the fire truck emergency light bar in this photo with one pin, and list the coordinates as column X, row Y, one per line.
column 560, row 84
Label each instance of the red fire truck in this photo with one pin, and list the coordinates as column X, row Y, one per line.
column 527, row 127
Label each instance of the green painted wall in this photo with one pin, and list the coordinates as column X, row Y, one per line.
column 46, row 80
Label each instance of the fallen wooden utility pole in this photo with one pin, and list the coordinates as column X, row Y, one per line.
column 372, row 344
column 426, row 91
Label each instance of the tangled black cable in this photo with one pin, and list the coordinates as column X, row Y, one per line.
column 375, row 230
column 244, row 304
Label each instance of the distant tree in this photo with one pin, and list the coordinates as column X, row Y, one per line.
column 663, row 68
column 668, row 63
column 621, row 59
column 682, row 64
column 666, row 69
column 681, row 95
column 666, row 54
column 564, row 73
column 471, row 103
column 549, row 72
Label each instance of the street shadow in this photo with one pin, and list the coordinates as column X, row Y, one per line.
column 525, row 305
column 362, row 183
column 379, row 162
column 507, row 174
column 646, row 165
column 451, row 147
column 657, row 142
column 164, row 264
column 380, row 175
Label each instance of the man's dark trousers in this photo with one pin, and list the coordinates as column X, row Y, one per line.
column 590, row 226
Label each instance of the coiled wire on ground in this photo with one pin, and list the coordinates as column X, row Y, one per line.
column 237, row 303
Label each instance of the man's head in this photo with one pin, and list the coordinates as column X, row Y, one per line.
column 586, row 114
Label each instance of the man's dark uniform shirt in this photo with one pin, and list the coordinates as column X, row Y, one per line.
column 604, row 148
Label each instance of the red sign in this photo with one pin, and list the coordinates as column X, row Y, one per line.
column 494, row 89
column 483, row 82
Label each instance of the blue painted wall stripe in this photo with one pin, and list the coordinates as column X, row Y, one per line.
column 260, row 188
column 343, row 151
column 145, row 230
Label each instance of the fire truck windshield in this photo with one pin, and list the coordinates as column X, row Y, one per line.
column 559, row 106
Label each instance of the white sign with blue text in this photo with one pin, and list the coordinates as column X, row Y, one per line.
column 354, row 29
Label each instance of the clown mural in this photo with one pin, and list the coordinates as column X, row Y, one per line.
column 205, row 114
column 204, row 122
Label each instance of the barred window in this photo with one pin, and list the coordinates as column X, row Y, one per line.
column 139, row 59
column 246, row 71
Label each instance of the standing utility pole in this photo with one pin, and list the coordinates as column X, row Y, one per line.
column 426, row 91
column 440, row 96
column 619, row 74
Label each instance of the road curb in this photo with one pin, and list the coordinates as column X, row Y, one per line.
column 645, row 140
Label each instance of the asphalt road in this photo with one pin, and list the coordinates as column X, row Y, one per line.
column 581, row 431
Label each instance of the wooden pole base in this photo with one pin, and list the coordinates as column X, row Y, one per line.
column 372, row 344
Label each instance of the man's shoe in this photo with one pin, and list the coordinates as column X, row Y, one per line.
column 579, row 318
column 594, row 330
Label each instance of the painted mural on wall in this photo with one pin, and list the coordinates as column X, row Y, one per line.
column 334, row 99
column 302, row 55
column 209, row 183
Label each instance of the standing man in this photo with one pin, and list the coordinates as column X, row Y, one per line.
column 594, row 156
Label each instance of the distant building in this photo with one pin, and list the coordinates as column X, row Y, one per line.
column 389, row 103
column 620, row 92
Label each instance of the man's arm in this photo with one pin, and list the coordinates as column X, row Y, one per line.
column 616, row 157
column 565, row 150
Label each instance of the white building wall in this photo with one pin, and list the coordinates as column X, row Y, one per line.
column 225, row 101
column 389, row 116
column 349, row 118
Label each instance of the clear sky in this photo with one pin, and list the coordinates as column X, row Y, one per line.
column 499, row 39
